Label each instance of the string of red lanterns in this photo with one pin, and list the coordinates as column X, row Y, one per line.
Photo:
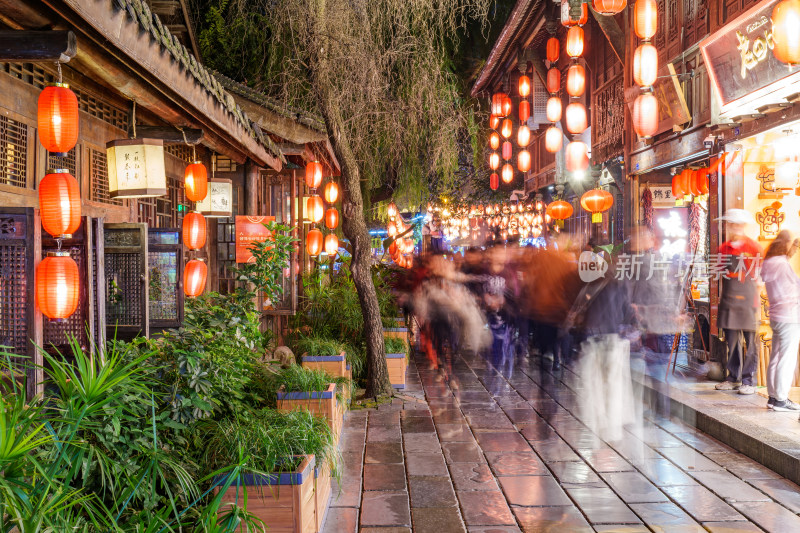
column 194, row 229
column 645, row 69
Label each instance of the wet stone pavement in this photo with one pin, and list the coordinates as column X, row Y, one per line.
column 499, row 453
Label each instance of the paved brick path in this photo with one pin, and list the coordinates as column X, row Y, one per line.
column 504, row 453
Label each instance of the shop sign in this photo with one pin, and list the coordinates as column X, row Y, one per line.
column 662, row 197
column 681, row 148
column 250, row 230
column 739, row 56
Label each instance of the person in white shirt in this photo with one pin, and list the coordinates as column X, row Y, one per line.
column 783, row 292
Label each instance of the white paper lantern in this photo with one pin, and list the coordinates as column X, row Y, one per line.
column 136, row 168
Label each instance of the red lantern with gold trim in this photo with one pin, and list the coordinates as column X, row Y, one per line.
column 553, row 80
column 331, row 192
column 60, row 203
column 553, row 110
column 331, row 218
column 645, row 115
column 314, row 242
column 57, row 286
column 553, row 49
column 195, row 180
column 553, row 139
column 494, row 181
column 331, row 244
column 577, row 156
column 575, row 41
column 559, row 210
column 786, row 31
column 645, row 18
column 57, row 118
column 596, row 201
column 194, row 230
column 576, row 80
column 194, row 277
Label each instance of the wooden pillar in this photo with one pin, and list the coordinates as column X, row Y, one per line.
column 251, row 188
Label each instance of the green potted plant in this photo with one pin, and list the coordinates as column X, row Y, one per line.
column 396, row 361
column 325, row 354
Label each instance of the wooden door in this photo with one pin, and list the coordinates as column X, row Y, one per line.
column 126, row 280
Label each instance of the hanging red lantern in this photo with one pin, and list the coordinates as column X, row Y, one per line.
column 786, row 31
column 57, row 286
column 507, row 150
column 701, row 177
column 677, row 190
column 60, row 203
column 553, row 49
column 507, row 173
column 314, row 242
column 507, row 105
column 575, row 41
column 553, row 110
column 553, row 139
column 524, row 111
column 645, row 115
column 693, row 183
column 524, row 86
column 576, row 80
column 559, row 210
column 609, row 7
column 553, row 80
column 315, row 208
column 57, row 119
column 568, row 20
column 194, row 230
column 498, row 104
column 645, row 65
column 577, row 156
column 645, row 18
column 331, row 244
column 685, row 178
column 194, row 277
column 523, row 136
column 596, row 201
column 494, row 121
column 494, row 160
column 331, row 192
column 524, row 161
column 331, row 218
column 195, row 181
column 576, row 118
column 506, row 128
column 494, row 181
column 494, row 140
column 313, row 174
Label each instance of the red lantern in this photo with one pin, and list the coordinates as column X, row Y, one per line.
column 506, row 128
column 194, row 277
column 57, row 118
column 195, row 180
column 494, row 140
column 498, row 104
column 194, row 230
column 576, row 118
column 507, row 173
column 507, row 105
column 507, row 150
column 494, row 160
column 575, row 41
column 524, row 110
column 553, row 80
column 553, row 49
column 577, row 156
column 701, row 177
column 786, row 31
column 57, row 286
column 316, row 208
column 576, row 80
column 523, row 136
column 595, row 202
column 693, row 183
column 645, row 115
column 313, row 174
column 494, row 181
column 524, row 161
column 314, row 242
column 677, row 190
column 524, row 86
column 331, row 192
column 645, row 18
column 567, row 20
column 494, row 121
column 685, row 179
column 553, row 109
column 559, row 210
column 553, row 139
column 645, row 65
column 331, row 244
column 609, row 7
column 331, row 218
column 60, row 203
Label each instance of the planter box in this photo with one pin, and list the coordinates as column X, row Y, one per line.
column 397, row 364
column 285, row 501
column 322, row 404
column 396, row 333
column 322, row 493
column 335, row 365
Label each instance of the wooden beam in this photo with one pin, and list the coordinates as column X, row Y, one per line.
column 292, row 149
column 614, row 34
column 35, row 46
column 169, row 134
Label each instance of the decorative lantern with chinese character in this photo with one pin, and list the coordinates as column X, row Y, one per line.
column 218, row 203
column 194, row 278
column 576, row 118
column 553, row 109
column 786, row 31
column 553, row 80
column 314, row 242
column 645, row 18
column 596, row 201
column 507, row 173
column 331, row 218
column 575, row 41
column 136, row 168
column 331, row 192
column 57, row 286
column 315, row 208
column 195, row 180
column 57, row 119
column 524, row 86
column 524, row 161
column 609, row 7
column 576, row 80
column 553, row 139
column 645, row 65
column 645, row 115
column 331, row 244
column 60, row 203
column 494, row 140
column 553, row 49
column 313, row 174
column 577, row 156
column 194, row 230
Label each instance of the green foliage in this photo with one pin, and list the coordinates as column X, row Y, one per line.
column 395, row 345
column 270, row 257
column 299, row 379
column 318, row 346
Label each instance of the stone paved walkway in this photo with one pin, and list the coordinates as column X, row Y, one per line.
column 505, row 452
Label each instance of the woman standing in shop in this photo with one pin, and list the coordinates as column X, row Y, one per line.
column 783, row 291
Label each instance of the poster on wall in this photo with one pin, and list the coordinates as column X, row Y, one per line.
column 662, row 197
column 250, row 230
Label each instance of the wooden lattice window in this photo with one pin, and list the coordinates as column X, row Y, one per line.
column 183, row 152
column 69, row 162
column 98, row 177
column 13, row 151
column 226, row 254
column 225, row 164
column 147, row 211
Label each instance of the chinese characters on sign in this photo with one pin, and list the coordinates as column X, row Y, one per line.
column 250, row 230
column 136, row 168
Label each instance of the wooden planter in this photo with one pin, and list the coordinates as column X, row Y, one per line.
column 286, row 501
column 322, row 404
column 396, row 333
column 335, row 365
column 322, row 492
column 397, row 364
